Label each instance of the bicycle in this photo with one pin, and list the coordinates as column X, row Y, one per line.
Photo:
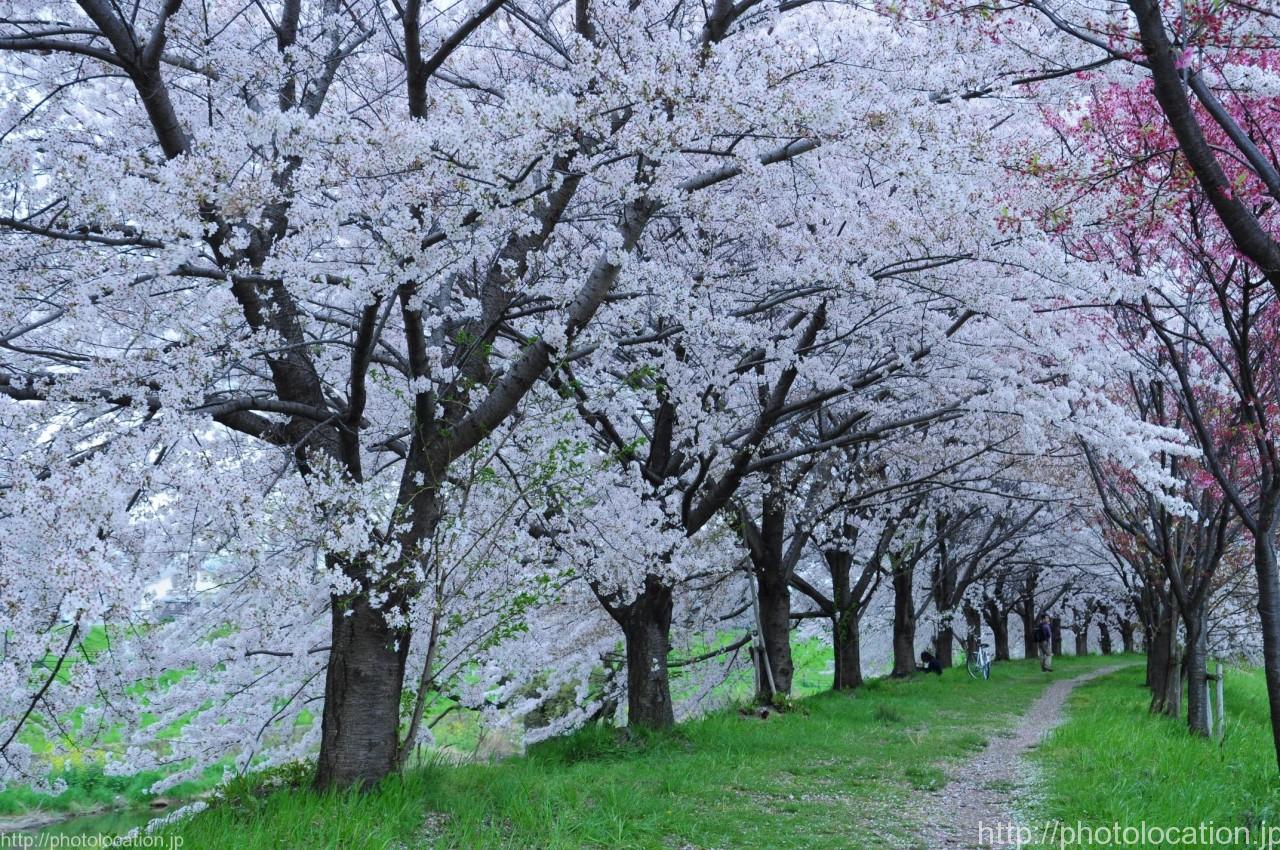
column 979, row 662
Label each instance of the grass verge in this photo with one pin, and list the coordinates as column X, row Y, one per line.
column 836, row 772
column 1113, row 763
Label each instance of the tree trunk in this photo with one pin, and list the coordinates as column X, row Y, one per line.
column 848, row 652
column 944, row 646
column 766, row 546
column 1104, row 637
column 1126, row 635
column 998, row 622
column 1026, row 610
column 1082, row 639
column 1028, row 633
column 1197, row 663
column 360, row 727
column 904, row 621
column 646, row 624
column 1172, row 701
column 1269, row 612
column 1166, row 665
column 849, row 601
column 1154, row 647
column 1056, row 644
column 972, row 628
column 775, row 629
column 944, row 593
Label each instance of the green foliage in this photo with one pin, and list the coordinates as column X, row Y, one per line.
column 641, row 376
column 247, row 795
column 89, row 788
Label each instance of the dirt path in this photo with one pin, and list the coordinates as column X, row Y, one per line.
column 983, row 790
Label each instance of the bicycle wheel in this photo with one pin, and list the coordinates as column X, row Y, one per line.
column 973, row 665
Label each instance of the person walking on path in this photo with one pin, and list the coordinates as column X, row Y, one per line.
column 1044, row 643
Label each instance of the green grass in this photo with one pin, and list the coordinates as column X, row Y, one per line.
column 1112, row 762
column 89, row 788
column 837, row 771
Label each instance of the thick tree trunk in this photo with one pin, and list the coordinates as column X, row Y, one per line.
column 646, row 624
column 1148, row 608
column 1269, row 613
column 1104, row 637
column 1166, row 665
column 766, row 545
column 1172, row 700
column 775, row 629
column 360, row 726
column 1028, row 633
column 1056, row 644
column 998, row 622
column 849, row 601
column 848, row 652
column 944, row 594
column 904, row 622
column 1157, row 657
column 1197, row 662
column 1126, row 636
column 1026, row 610
column 1082, row 639
column 944, row 646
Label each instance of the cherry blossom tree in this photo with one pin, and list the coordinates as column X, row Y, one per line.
column 352, row 237
column 462, row 357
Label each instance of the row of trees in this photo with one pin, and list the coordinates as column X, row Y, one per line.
column 480, row 355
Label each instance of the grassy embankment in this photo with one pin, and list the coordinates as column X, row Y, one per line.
column 1113, row 763
column 90, row 789
column 837, row 771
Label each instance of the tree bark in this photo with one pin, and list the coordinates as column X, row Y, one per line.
column 1197, row 663
column 1171, row 704
column 1026, row 611
column 904, row 620
column 1157, row 658
column 944, row 646
column 998, row 622
column 848, row 652
column 359, row 737
column 772, row 564
column 1166, row 664
column 1056, row 647
column 774, row 594
column 1028, row 632
column 944, row 594
column 1126, row 635
column 646, row 625
column 1104, row 637
column 1269, row 613
column 973, row 628
column 847, row 603
column 1082, row 639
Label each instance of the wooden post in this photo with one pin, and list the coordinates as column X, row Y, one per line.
column 760, row 644
column 1208, row 704
column 1222, row 716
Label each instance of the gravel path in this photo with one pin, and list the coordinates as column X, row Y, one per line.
column 983, row 790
